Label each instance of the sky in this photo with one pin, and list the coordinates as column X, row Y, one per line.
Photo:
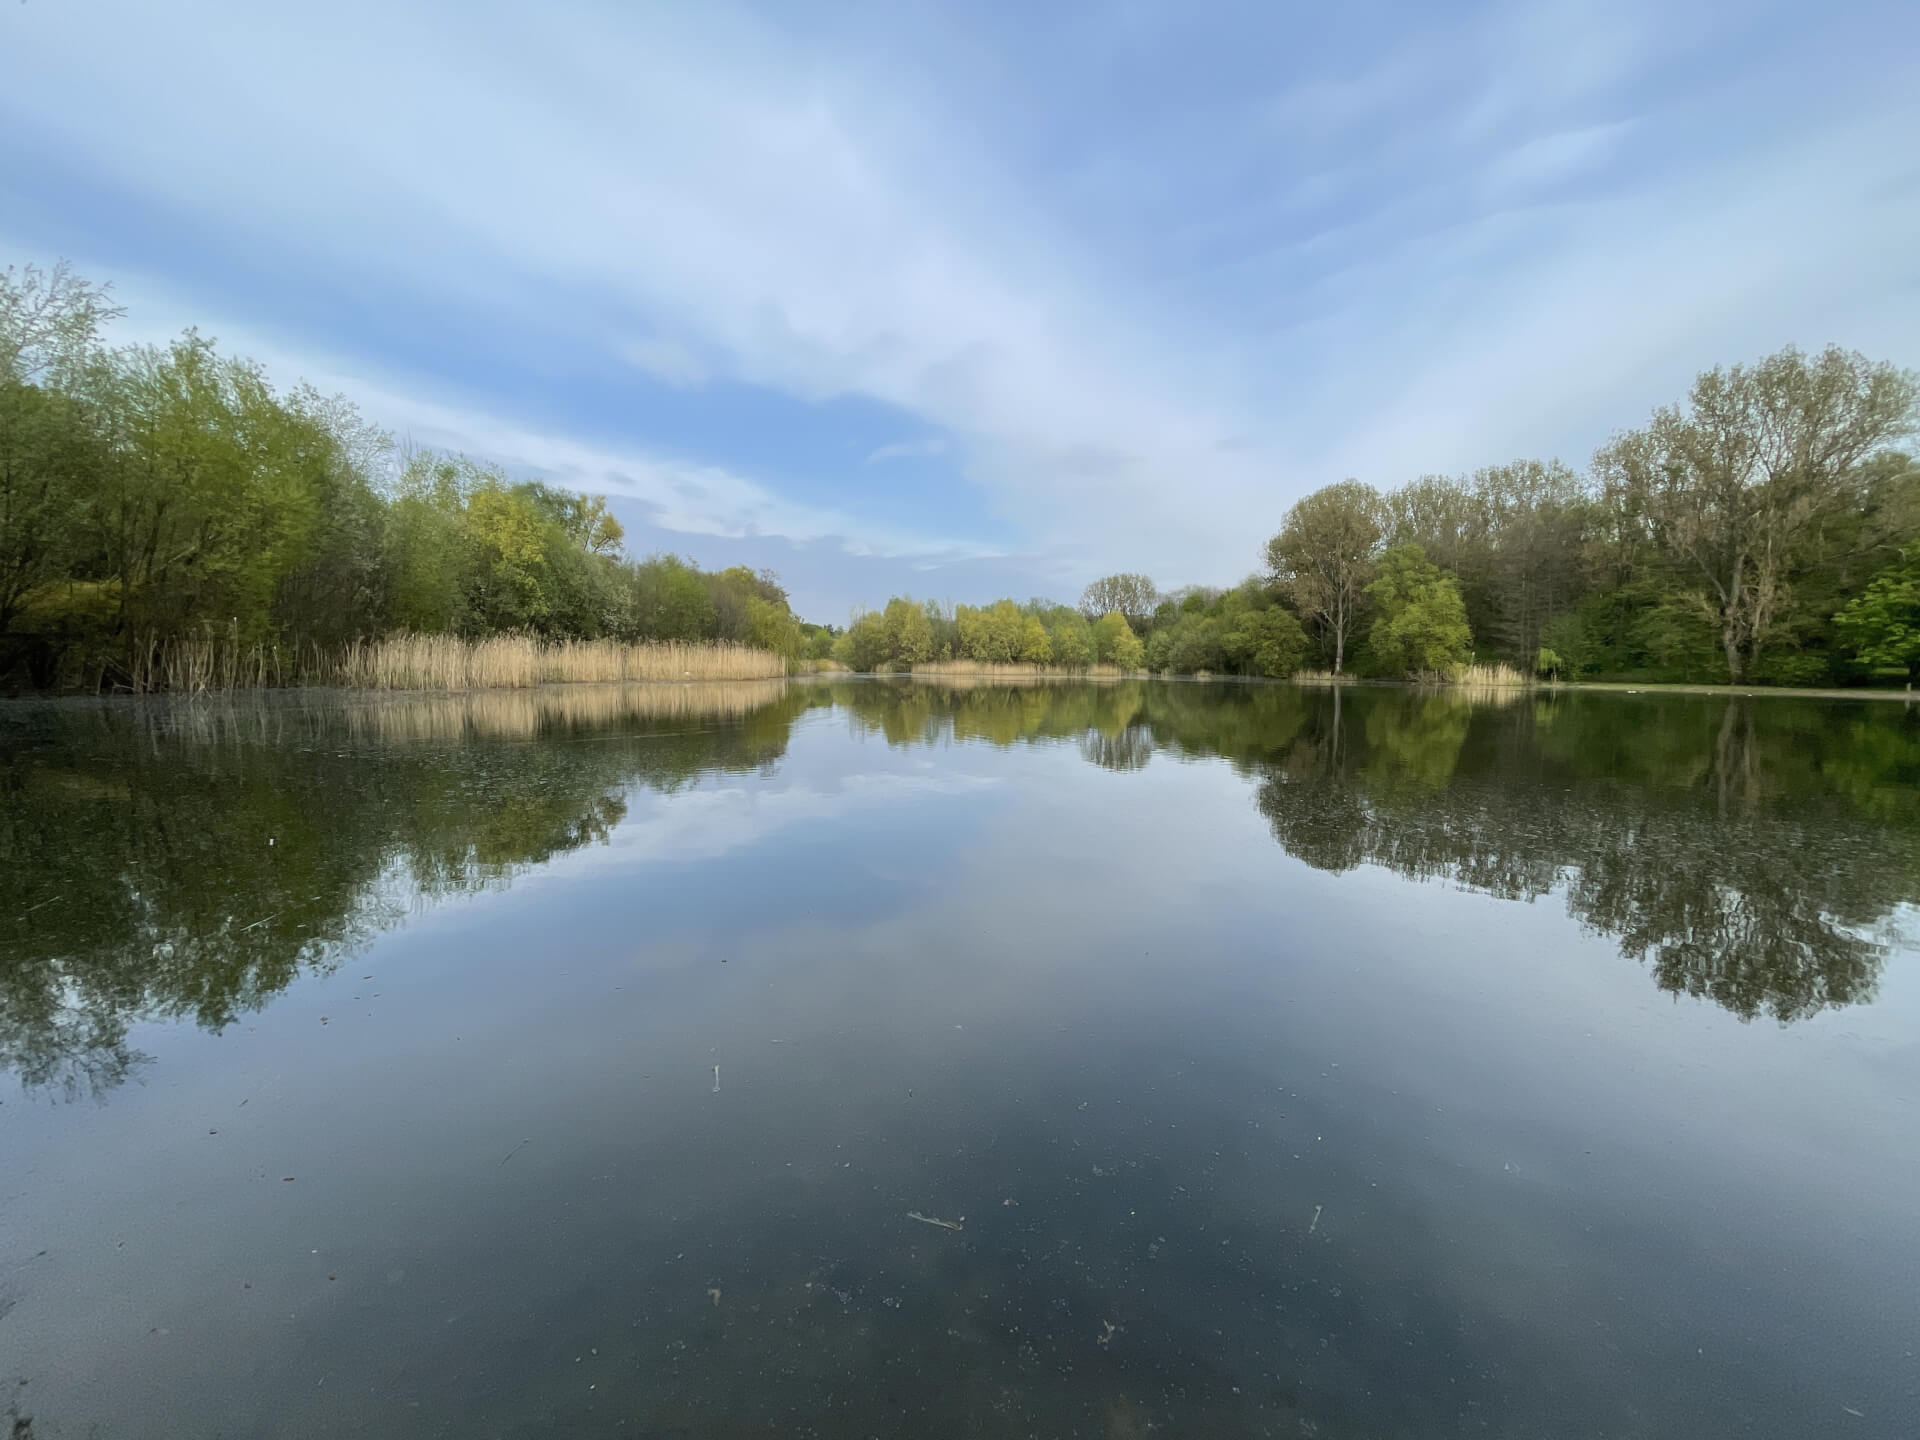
column 971, row 299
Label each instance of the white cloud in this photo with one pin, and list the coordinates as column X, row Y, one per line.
column 810, row 220
column 1552, row 159
column 667, row 360
column 908, row 450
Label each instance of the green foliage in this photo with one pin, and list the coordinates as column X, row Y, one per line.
column 1881, row 628
column 1114, row 643
column 1420, row 625
column 160, row 491
column 1071, row 639
column 1035, row 647
column 994, row 635
column 1265, row 642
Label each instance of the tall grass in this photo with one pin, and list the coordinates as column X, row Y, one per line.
column 217, row 662
column 1491, row 677
column 508, row 662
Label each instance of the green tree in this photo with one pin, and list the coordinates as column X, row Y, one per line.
column 1035, row 647
column 1881, row 627
column 1266, row 642
column 865, row 646
column 1114, row 642
column 1324, row 556
column 1072, row 639
column 909, row 633
column 1732, row 486
column 1420, row 627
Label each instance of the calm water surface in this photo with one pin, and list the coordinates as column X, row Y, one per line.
column 877, row 1059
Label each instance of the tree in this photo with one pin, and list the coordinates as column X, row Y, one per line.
column 909, row 634
column 50, row 448
column 1324, row 556
column 1127, row 594
column 994, row 635
column 1730, row 486
column 1072, row 638
column 1421, row 625
column 1035, row 647
column 1114, row 642
column 864, row 646
column 1882, row 626
column 1266, row 642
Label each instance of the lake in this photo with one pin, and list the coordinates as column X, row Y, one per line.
column 877, row 1058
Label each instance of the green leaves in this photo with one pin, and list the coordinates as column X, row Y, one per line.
column 1882, row 626
column 1421, row 624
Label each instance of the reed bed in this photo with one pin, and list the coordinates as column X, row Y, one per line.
column 1492, row 677
column 219, row 662
column 517, row 662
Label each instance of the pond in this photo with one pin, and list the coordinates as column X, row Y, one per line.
column 881, row 1058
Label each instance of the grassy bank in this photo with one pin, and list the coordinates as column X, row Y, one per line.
column 216, row 663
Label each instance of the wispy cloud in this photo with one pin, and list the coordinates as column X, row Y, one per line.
column 1138, row 328
column 908, row 450
column 665, row 360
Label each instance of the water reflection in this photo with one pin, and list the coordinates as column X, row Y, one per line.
column 163, row 862
column 189, row 861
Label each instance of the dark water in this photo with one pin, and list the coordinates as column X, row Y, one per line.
column 1288, row 1064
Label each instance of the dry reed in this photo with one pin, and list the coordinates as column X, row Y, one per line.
column 446, row 662
column 1490, row 677
column 218, row 662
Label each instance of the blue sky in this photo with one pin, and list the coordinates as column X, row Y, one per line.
column 973, row 299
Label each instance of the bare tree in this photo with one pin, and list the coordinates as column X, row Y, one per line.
column 1133, row 596
column 1728, row 485
column 1324, row 556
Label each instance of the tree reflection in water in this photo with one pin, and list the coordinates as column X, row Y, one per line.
column 173, row 861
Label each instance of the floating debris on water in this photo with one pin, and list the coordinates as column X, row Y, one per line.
column 716, row 1079
column 959, row 1224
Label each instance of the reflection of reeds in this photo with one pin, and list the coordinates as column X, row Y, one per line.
column 522, row 714
column 461, row 715
column 989, row 670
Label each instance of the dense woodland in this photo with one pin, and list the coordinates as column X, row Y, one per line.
column 153, row 493
column 1764, row 529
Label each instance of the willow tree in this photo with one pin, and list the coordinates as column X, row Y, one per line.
column 1324, row 556
column 1733, row 484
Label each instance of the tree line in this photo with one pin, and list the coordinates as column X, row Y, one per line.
column 1765, row 529
column 153, row 492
